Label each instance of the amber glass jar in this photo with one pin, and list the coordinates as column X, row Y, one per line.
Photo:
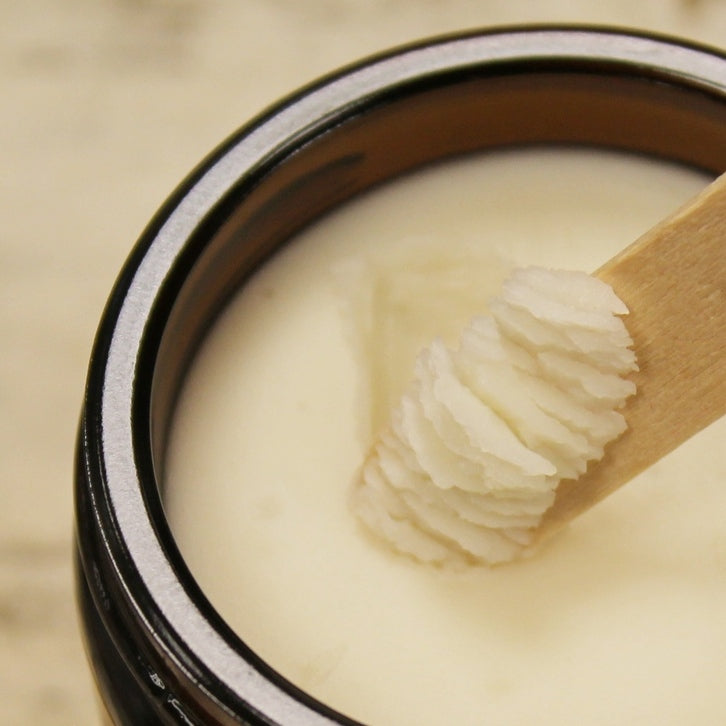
column 160, row 652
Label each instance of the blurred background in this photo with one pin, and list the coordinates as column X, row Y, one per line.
column 106, row 105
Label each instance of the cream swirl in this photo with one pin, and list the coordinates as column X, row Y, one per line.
column 478, row 444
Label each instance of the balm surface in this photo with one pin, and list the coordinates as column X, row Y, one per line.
column 620, row 619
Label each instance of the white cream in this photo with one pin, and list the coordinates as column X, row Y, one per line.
column 481, row 439
column 620, row 620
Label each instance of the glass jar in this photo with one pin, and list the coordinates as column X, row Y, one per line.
column 160, row 652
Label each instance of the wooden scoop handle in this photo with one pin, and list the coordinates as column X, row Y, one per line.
column 673, row 280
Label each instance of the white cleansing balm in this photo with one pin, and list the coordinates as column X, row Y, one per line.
column 478, row 443
column 620, row 619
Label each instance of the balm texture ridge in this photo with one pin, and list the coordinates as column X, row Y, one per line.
column 479, row 442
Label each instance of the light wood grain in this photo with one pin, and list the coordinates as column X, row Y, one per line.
column 673, row 280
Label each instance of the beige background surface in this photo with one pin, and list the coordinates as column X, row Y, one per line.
column 106, row 105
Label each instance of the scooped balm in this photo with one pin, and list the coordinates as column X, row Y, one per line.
column 479, row 443
column 620, row 619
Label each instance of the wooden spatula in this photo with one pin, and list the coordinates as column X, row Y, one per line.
column 673, row 279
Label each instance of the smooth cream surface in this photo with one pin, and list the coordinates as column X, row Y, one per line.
column 621, row 619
